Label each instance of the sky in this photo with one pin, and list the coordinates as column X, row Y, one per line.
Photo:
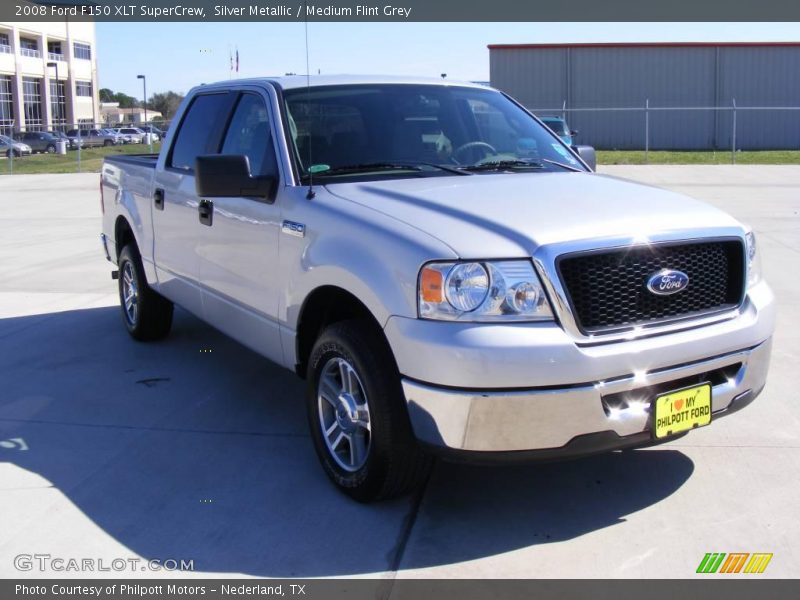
column 178, row 56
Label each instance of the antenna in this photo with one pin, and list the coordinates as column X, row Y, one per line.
column 310, row 193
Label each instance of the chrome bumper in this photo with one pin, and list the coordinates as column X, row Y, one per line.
column 554, row 417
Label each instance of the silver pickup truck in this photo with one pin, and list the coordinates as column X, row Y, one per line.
column 448, row 276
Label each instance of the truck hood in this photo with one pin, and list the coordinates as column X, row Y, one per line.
column 511, row 215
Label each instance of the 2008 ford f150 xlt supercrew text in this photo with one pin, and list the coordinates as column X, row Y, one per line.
column 448, row 276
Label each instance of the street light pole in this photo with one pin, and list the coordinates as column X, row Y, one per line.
column 144, row 92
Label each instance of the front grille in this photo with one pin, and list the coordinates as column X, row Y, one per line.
column 607, row 289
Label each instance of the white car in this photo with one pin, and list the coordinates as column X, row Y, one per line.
column 134, row 134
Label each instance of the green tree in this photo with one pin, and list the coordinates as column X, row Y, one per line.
column 125, row 101
column 166, row 103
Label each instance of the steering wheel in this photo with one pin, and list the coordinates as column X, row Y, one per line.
column 488, row 149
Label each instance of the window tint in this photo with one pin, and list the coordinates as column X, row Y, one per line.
column 493, row 126
column 197, row 129
column 351, row 125
column 249, row 134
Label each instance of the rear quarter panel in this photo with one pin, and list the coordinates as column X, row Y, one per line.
column 127, row 192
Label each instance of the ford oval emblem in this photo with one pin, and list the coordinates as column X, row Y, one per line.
column 667, row 282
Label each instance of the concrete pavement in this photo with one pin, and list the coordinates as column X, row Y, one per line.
column 195, row 448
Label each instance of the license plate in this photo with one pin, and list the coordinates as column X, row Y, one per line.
column 682, row 410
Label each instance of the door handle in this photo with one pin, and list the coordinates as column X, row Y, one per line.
column 206, row 212
column 158, row 199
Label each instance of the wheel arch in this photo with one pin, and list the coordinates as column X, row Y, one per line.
column 325, row 305
column 123, row 234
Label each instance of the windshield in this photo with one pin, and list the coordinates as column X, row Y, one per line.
column 557, row 125
column 401, row 130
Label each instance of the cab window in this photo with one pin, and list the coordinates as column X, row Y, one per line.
column 249, row 134
column 197, row 133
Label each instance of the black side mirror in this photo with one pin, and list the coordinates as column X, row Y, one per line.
column 218, row 175
column 588, row 155
column 573, row 132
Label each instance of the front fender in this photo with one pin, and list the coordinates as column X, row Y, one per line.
column 364, row 252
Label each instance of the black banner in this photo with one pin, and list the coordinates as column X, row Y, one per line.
column 734, row 588
column 400, row 10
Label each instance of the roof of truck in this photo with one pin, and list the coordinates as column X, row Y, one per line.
column 290, row 82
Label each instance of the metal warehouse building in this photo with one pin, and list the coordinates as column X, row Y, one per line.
column 627, row 78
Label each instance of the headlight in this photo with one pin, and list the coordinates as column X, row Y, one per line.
column 506, row 290
column 753, row 259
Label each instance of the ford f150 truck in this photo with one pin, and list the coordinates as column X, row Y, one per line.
column 448, row 276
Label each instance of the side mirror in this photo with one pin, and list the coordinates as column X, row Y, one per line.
column 573, row 132
column 588, row 155
column 218, row 175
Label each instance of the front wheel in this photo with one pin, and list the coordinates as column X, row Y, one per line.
column 146, row 314
column 357, row 414
column 107, row 142
column 51, row 149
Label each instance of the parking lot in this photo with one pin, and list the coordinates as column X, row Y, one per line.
column 196, row 448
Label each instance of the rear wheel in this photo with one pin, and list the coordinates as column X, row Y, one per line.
column 51, row 149
column 146, row 314
column 357, row 414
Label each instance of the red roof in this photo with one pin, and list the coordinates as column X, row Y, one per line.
column 641, row 45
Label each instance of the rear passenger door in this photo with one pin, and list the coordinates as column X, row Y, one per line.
column 238, row 248
column 175, row 207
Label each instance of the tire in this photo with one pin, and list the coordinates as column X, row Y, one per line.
column 16, row 153
column 146, row 314
column 381, row 458
column 107, row 142
column 50, row 149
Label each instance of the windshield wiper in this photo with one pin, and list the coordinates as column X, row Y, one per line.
column 504, row 165
column 563, row 165
column 449, row 168
column 415, row 166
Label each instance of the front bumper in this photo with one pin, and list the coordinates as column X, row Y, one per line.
column 558, row 395
column 558, row 420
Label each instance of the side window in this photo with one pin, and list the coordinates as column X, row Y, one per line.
column 197, row 129
column 249, row 134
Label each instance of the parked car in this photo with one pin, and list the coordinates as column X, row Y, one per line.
column 93, row 137
column 448, row 276
column 135, row 134
column 561, row 129
column 9, row 146
column 39, row 141
column 118, row 137
column 154, row 131
column 72, row 142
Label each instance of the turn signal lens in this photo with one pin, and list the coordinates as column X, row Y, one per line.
column 431, row 285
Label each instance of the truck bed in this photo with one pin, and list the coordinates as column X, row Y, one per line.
column 142, row 160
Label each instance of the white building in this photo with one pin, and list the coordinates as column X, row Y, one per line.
column 112, row 114
column 48, row 75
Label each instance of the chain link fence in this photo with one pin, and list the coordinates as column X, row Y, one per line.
column 639, row 125
column 74, row 147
